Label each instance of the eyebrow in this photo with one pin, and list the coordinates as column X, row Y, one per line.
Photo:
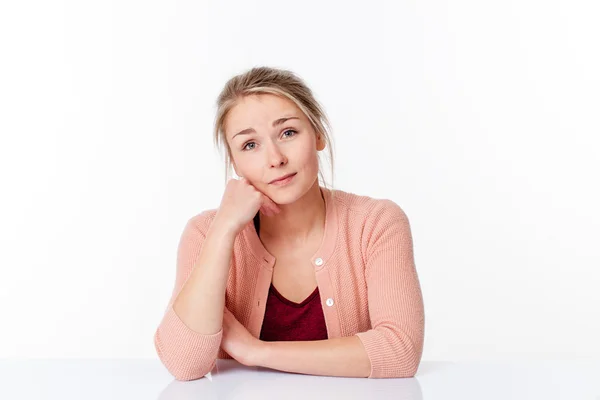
column 277, row 122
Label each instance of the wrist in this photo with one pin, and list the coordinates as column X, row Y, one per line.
column 260, row 354
column 224, row 228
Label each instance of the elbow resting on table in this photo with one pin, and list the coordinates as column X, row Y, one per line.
column 397, row 371
column 391, row 353
column 182, row 364
column 404, row 370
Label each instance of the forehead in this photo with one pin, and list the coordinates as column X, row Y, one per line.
column 259, row 112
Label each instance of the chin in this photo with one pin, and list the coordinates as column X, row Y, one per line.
column 284, row 198
column 285, row 195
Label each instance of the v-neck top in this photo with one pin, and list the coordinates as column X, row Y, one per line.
column 286, row 320
column 366, row 277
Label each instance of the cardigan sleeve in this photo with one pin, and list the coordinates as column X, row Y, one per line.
column 186, row 354
column 394, row 344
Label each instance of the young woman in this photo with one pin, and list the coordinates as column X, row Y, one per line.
column 288, row 274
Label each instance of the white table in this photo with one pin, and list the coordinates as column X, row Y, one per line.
column 147, row 379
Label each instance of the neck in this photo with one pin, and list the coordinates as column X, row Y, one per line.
column 297, row 221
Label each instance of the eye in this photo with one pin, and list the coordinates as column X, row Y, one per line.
column 289, row 130
column 245, row 147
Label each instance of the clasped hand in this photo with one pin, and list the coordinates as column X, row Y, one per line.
column 238, row 342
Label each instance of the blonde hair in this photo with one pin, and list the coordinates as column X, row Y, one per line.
column 279, row 82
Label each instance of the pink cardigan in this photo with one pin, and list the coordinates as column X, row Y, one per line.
column 366, row 276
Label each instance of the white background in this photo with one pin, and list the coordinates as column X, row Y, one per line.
column 479, row 118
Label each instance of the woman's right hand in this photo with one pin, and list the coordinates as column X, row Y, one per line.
column 240, row 203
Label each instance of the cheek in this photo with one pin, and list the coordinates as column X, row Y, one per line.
column 249, row 168
column 312, row 159
column 308, row 162
column 307, row 154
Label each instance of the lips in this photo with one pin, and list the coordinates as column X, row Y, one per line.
column 283, row 177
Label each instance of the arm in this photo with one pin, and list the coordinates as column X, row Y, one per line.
column 188, row 338
column 343, row 356
column 394, row 345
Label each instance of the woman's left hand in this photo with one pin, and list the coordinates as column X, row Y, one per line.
column 237, row 341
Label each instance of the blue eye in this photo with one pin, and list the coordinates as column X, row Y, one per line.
column 244, row 148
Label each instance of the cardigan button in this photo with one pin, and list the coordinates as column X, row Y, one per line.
column 319, row 261
column 329, row 302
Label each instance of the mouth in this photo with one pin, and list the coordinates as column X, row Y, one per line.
column 283, row 178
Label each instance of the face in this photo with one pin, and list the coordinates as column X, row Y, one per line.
column 271, row 146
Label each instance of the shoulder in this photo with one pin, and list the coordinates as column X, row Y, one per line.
column 374, row 222
column 368, row 209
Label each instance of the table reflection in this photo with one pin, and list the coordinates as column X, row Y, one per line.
column 232, row 380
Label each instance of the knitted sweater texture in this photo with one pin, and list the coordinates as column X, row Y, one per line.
column 365, row 273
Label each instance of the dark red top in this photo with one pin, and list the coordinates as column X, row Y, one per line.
column 286, row 320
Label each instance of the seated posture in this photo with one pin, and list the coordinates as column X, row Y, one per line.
column 286, row 273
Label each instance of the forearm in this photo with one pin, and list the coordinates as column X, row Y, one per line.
column 201, row 300
column 345, row 356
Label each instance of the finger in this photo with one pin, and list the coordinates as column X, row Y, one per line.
column 273, row 205
column 267, row 202
column 266, row 211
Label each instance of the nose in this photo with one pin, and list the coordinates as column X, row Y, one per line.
column 276, row 157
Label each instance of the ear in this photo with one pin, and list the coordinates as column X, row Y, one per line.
column 320, row 142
